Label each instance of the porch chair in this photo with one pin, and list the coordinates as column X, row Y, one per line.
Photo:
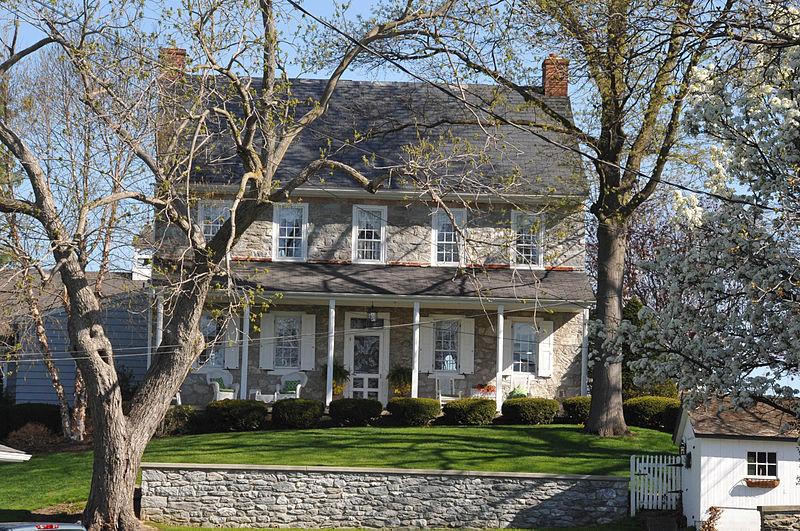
column 290, row 385
column 515, row 380
column 446, row 389
column 221, row 382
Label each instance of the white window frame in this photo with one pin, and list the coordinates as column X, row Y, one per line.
column 517, row 218
column 276, row 232
column 215, row 347
column 460, row 215
column 381, row 213
column 515, row 325
column 299, row 339
column 758, row 463
column 209, row 212
column 267, row 342
column 457, row 322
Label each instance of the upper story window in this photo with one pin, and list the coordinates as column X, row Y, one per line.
column 445, row 345
column 762, row 464
column 448, row 243
column 211, row 215
column 527, row 238
column 290, row 232
column 369, row 234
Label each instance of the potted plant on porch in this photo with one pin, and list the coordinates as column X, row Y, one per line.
column 400, row 379
column 340, row 377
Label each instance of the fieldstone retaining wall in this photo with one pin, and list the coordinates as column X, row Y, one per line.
column 779, row 517
column 332, row 497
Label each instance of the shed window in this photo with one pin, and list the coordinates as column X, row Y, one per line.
column 762, row 464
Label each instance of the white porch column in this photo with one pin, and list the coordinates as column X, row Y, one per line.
column 499, row 376
column 245, row 349
column 331, row 330
column 415, row 354
column 585, row 354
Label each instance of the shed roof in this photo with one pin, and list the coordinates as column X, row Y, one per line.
column 761, row 421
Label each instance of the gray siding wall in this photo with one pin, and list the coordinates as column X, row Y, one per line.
column 125, row 320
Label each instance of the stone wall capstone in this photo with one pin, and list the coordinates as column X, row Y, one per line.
column 332, row 497
column 779, row 517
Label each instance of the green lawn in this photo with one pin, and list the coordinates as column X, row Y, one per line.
column 64, row 477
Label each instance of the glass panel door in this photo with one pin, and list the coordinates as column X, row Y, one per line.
column 366, row 366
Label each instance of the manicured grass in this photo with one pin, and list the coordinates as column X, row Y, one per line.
column 43, row 481
column 557, row 449
column 64, row 477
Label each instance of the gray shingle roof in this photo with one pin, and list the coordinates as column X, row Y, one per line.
column 361, row 279
column 387, row 117
column 760, row 420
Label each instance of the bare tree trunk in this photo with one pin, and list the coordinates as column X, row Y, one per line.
column 79, row 407
column 605, row 415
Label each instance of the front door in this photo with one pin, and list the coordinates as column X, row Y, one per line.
column 366, row 356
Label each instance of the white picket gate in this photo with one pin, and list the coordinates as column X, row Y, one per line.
column 655, row 482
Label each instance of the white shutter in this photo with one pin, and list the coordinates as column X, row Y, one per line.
column 230, row 343
column 508, row 346
column 544, row 358
column 266, row 351
column 308, row 339
column 425, row 345
column 466, row 343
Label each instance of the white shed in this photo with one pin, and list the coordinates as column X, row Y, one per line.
column 737, row 461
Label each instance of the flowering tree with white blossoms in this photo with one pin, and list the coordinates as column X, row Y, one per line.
column 732, row 322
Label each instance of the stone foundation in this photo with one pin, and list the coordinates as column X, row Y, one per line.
column 330, row 497
column 779, row 517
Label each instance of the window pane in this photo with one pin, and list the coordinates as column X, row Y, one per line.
column 751, row 457
column 751, row 470
column 772, row 457
column 366, row 350
column 368, row 234
column 447, row 240
column 212, row 218
column 213, row 355
column 772, row 470
column 290, row 232
column 445, row 346
column 525, row 348
column 527, row 242
column 287, row 342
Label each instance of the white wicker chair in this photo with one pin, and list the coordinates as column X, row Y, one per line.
column 282, row 392
column 228, row 390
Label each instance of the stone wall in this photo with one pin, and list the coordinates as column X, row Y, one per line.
column 328, row 497
column 779, row 517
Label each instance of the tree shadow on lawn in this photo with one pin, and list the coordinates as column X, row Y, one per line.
column 554, row 449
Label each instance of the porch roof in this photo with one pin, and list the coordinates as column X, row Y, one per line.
column 558, row 286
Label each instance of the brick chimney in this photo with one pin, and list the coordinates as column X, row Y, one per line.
column 173, row 61
column 555, row 75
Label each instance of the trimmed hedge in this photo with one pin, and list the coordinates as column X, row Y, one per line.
column 414, row 411
column 530, row 410
column 470, row 411
column 16, row 416
column 178, row 420
column 233, row 415
column 576, row 409
column 297, row 412
column 655, row 412
column 355, row 411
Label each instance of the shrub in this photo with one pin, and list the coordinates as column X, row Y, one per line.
column 470, row 411
column 576, row 409
column 530, row 410
column 19, row 415
column 414, row 411
column 178, row 420
column 355, row 411
column 519, row 391
column 297, row 412
column 234, row 415
column 31, row 436
column 656, row 412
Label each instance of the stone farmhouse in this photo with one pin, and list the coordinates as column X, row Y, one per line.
column 486, row 287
